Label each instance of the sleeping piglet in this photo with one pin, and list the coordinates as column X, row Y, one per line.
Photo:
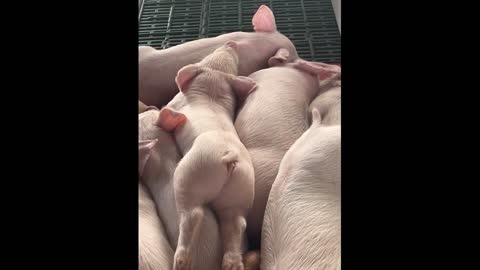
column 328, row 103
column 301, row 229
column 216, row 169
column 154, row 250
column 272, row 118
column 158, row 68
column 157, row 175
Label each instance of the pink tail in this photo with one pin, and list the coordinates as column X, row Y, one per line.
column 230, row 158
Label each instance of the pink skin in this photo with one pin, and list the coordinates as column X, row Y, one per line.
column 216, row 168
column 157, row 175
column 272, row 118
column 158, row 68
column 301, row 228
column 154, row 250
column 328, row 104
column 144, row 152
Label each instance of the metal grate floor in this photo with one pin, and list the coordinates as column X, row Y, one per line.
column 310, row 24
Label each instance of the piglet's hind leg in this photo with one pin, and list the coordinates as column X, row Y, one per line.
column 190, row 221
column 232, row 228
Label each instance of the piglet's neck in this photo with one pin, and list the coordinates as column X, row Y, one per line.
column 201, row 96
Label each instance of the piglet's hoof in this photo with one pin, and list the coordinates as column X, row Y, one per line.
column 232, row 261
column 182, row 260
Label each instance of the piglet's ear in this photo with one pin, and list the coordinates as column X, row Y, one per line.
column 316, row 117
column 281, row 57
column 325, row 72
column 243, row 86
column 263, row 20
column 144, row 152
column 169, row 119
column 232, row 44
column 141, row 107
column 185, row 75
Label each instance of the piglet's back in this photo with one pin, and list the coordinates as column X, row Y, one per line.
column 274, row 114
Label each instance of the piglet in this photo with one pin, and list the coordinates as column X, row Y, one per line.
column 328, row 103
column 301, row 229
column 216, row 168
column 157, row 175
column 157, row 68
column 154, row 250
column 272, row 118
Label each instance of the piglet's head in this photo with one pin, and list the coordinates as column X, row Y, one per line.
column 216, row 74
column 214, row 83
column 224, row 59
column 264, row 20
column 144, row 152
